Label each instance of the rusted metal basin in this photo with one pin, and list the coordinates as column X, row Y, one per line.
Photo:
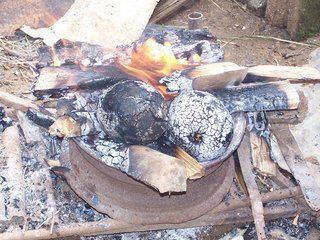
column 121, row 197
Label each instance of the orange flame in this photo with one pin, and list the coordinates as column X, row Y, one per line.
column 152, row 61
column 56, row 60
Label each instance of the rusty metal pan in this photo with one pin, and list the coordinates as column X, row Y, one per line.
column 121, row 197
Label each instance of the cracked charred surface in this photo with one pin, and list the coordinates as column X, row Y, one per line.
column 133, row 112
column 200, row 124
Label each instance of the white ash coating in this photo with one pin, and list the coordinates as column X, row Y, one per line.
column 200, row 124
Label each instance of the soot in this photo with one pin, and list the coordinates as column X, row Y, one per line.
column 133, row 112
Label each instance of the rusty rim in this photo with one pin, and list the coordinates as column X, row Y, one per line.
column 121, row 197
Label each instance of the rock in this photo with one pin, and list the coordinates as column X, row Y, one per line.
column 277, row 13
column 292, row 46
column 258, row 7
column 314, row 60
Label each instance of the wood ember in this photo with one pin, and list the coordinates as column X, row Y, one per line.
column 298, row 165
column 259, row 97
column 65, row 126
column 270, row 73
column 244, row 155
column 16, row 208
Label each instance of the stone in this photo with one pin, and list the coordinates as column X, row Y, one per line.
column 258, row 7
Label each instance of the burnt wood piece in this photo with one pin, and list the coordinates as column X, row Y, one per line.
column 53, row 80
column 259, row 97
column 298, row 165
column 185, row 43
column 166, row 8
column 68, row 52
column 290, row 116
column 39, row 118
column 270, row 73
column 244, row 155
column 15, row 205
column 12, row 101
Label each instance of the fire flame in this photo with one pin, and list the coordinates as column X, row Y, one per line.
column 152, row 61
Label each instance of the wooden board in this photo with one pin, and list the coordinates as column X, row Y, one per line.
column 270, row 73
column 107, row 23
column 306, row 178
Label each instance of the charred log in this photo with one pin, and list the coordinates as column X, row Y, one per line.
column 54, row 80
column 132, row 112
column 259, row 97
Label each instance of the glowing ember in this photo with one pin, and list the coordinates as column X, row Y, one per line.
column 152, row 61
column 56, row 60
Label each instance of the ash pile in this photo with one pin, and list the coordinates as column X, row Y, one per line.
column 157, row 134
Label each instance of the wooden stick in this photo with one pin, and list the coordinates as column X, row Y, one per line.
column 12, row 152
column 298, row 165
column 244, row 155
column 110, row 226
column 259, row 97
column 15, row 102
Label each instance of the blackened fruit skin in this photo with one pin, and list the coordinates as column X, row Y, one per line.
column 200, row 124
column 133, row 112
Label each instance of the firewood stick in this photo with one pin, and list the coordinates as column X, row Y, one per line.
column 261, row 155
column 244, row 155
column 12, row 152
column 110, row 226
column 259, row 97
column 10, row 100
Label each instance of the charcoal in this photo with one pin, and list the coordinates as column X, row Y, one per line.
column 200, row 124
column 4, row 121
column 133, row 112
column 40, row 119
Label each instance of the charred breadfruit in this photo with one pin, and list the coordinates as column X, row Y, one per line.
column 133, row 112
column 200, row 124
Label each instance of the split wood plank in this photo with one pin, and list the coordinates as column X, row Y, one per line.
column 298, row 165
column 259, row 97
column 12, row 101
column 161, row 171
column 166, row 8
column 244, row 155
column 270, row 73
column 108, row 23
column 261, row 158
column 216, row 75
column 12, row 151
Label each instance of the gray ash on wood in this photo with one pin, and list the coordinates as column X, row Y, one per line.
column 133, row 112
column 200, row 124
column 4, row 120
